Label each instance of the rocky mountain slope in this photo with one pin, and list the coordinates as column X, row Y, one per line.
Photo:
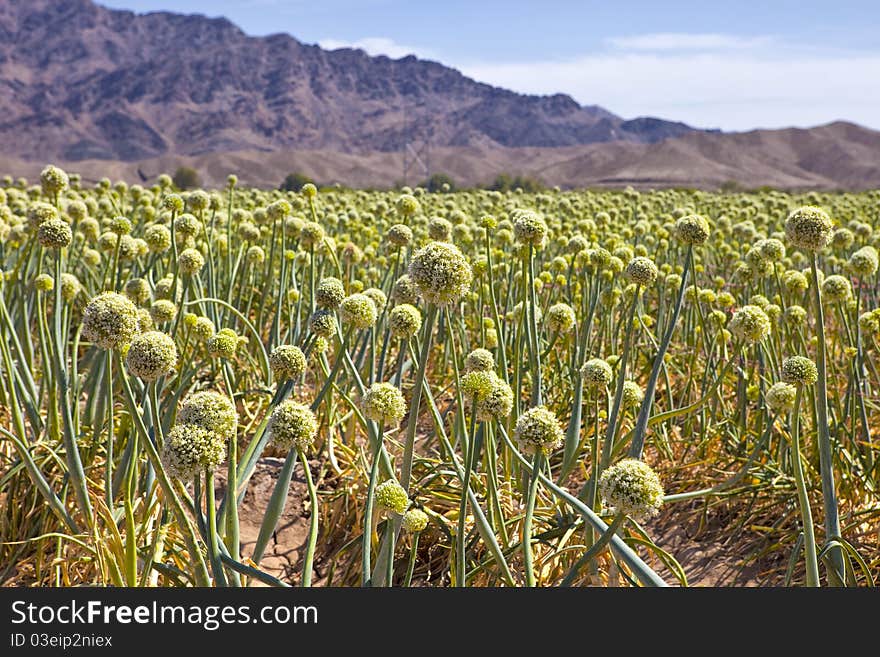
column 836, row 156
column 80, row 81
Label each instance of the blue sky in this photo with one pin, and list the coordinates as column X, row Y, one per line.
column 735, row 65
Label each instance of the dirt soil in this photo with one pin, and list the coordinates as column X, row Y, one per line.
column 707, row 560
column 284, row 552
column 709, row 556
column 710, row 553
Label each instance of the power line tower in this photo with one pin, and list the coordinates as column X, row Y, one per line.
column 416, row 146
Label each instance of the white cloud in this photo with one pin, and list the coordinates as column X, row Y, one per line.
column 375, row 46
column 706, row 81
column 664, row 41
column 710, row 80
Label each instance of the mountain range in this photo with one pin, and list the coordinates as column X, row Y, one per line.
column 90, row 87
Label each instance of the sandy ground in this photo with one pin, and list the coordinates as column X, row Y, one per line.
column 708, row 557
column 284, row 552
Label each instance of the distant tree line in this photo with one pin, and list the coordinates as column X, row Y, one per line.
column 185, row 178
column 504, row 182
column 293, row 182
column 188, row 178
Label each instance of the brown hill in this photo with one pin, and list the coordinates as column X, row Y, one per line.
column 114, row 93
column 836, row 156
column 79, row 81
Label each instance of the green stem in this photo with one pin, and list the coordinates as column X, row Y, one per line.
column 461, row 533
column 499, row 329
column 412, row 422
column 367, row 538
column 535, row 360
column 611, row 429
column 803, row 498
column 230, row 508
column 642, row 571
column 213, row 540
column 832, row 518
column 71, row 449
column 276, row 505
column 413, row 553
column 201, row 571
column 594, row 550
column 108, row 461
column 130, row 567
column 312, row 540
column 641, row 429
column 527, row 521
